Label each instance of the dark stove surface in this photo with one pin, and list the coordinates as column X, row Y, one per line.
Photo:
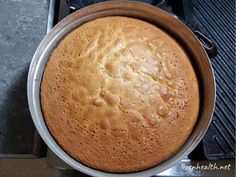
column 216, row 19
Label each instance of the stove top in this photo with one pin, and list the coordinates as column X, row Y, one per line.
column 215, row 19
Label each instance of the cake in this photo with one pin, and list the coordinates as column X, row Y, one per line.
column 119, row 94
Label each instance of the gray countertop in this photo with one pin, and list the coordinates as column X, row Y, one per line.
column 23, row 24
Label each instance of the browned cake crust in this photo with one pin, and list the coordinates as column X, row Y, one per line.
column 119, row 94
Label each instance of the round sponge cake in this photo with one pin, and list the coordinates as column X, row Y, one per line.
column 119, row 94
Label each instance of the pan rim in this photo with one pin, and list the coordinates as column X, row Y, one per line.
column 38, row 64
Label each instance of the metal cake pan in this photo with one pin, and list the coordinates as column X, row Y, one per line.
column 156, row 16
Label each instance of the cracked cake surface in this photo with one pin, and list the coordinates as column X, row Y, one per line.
column 119, row 94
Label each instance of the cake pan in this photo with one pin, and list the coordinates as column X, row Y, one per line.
column 145, row 12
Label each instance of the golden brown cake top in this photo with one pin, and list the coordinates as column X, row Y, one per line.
column 119, row 94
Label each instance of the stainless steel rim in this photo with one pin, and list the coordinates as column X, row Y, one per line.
column 37, row 66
